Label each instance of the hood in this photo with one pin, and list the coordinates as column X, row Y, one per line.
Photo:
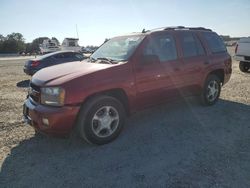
column 58, row 74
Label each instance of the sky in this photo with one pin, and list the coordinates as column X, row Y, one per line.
column 97, row 19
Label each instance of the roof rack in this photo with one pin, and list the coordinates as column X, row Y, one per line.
column 174, row 28
column 199, row 28
column 177, row 28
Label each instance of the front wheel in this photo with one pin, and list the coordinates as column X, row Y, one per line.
column 244, row 66
column 211, row 90
column 101, row 120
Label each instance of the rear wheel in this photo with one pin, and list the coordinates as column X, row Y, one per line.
column 101, row 120
column 211, row 90
column 244, row 66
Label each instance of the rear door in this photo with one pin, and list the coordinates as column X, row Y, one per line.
column 218, row 55
column 172, row 65
column 194, row 60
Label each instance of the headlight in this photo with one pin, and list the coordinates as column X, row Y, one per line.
column 53, row 96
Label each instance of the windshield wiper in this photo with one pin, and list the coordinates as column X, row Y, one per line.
column 111, row 61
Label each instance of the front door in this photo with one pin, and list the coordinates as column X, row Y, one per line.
column 154, row 82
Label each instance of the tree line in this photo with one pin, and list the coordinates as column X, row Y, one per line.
column 12, row 43
column 15, row 43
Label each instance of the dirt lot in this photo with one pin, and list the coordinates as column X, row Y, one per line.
column 179, row 144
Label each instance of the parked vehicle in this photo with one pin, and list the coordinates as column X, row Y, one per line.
column 127, row 74
column 48, row 46
column 242, row 53
column 34, row 65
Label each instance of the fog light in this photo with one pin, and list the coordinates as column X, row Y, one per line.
column 45, row 121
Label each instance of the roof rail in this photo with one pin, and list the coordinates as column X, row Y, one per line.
column 199, row 28
column 187, row 28
column 174, row 28
column 177, row 28
column 166, row 28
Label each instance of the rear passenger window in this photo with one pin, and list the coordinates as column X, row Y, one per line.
column 163, row 46
column 68, row 55
column 215, row 43
column 191, row 46
column 59, row 56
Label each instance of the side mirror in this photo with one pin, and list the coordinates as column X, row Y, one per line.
column 149, row 60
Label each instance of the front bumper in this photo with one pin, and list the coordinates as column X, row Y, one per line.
column 60, row 119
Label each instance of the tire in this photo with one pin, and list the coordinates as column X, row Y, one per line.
column 38, row 134
column 244, row 66
column 211, row 90
column 101, row 120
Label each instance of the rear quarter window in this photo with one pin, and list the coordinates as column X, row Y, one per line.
column 79, row 56
column 215, row 43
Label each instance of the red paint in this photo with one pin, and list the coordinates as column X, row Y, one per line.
column 35, row 63
column 144, row 85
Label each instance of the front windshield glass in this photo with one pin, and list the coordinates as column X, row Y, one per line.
column 118, row 49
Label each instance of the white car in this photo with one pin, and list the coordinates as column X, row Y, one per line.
column 242, row 53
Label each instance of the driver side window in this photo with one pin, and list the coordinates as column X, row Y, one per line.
column 163, row 46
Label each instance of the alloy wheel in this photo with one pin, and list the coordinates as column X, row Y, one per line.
column 105, row 121
column 212, row 90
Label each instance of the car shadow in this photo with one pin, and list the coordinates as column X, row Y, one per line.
column 23, row 84
column 180, row 144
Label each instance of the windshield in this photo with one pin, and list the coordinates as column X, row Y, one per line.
column 118, row 49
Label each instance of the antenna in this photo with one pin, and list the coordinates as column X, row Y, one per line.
column 77, row 32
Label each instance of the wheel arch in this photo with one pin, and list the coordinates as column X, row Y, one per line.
column 117, row 93
column 218, row 72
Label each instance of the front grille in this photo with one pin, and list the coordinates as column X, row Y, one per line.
column 247, row 58
column 34, row 92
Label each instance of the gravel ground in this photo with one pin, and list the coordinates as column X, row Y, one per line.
column 179, row 144
column 16, row 58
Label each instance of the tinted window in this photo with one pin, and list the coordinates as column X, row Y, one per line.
column 215, row 43
column 59, row 56
column 79, row 56
column 191, row 46
column 68, row 55
column 48, row 58
column 163, row 46
column 201, row 50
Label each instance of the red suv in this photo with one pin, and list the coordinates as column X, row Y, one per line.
column 126, row 74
